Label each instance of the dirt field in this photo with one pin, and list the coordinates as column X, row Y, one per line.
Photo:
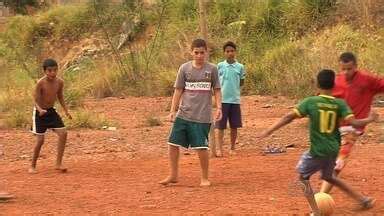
column 116, row 172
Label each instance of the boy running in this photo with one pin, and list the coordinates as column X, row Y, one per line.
column 357, row 88
column 194, row 83
column 48, row 89
column 324, row 112
column 232, row 75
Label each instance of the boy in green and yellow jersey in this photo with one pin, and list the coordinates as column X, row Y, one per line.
column 325, row 113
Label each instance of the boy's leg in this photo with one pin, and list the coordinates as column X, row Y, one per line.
column 36, row 152
column 233, row 138
column 220, row 142
column 306, row 167
column 327, row 175
column 62, row 133
column 174, row 155
column 346, row 188
column 365, row 202
column 177, row 138
column 308, row 193
column 234, row 122
column 204, row 163
column 57, row 125
column 212, row 141
column 198, row 138
column 221, row 126
column 348, row 141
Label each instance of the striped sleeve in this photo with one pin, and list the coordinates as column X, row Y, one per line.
column 302, row 108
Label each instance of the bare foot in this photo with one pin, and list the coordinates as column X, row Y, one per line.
column 5, row 196
column 368, row 203
column 232, row 152
column 32, row 170
column 205, row 183
column 168, row 180
column 219, row 154
column 61, row 169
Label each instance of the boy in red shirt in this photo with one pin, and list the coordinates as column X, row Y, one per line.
column 357, row 88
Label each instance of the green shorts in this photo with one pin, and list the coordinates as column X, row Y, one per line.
column 189, row 134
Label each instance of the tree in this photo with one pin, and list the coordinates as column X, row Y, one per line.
column 204, row 32
column 203, row 19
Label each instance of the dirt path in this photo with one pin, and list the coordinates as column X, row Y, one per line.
column 116, row 172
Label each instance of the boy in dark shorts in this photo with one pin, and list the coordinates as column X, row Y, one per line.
column 45, row 116
column 324, row 112
column 194, row 84
column 232, row 75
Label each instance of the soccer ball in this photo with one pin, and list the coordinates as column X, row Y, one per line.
column 325, row 203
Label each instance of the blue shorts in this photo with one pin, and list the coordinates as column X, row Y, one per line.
column 309, row 165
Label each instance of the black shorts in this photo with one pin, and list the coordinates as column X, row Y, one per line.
column 231, row 113
column 50, row 120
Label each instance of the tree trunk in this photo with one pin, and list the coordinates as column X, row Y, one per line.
column 204, row 33
column 203, row 19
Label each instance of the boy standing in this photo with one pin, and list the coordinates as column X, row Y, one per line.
column 324, row 112
column 232, row 75
column 194, row 84
column 357, row 88
column 48, row 89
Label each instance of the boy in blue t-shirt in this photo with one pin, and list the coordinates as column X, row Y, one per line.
column 232, row 75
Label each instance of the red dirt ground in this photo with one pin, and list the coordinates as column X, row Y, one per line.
column 116, row 172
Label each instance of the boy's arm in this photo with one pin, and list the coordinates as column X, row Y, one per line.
column 60, row 97
column 358, row 123
column 179, row 89
column 347, row 115
column 300, row 111
column 288, row 118
column 242, row 78
column 36, row 97
column 175, row 103
column 217, row 93
column 376, row 84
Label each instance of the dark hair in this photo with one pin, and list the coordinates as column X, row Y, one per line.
column 229, row 44
column 347, row 57
column 49, row 63
column 326, row 79
column 197, row 43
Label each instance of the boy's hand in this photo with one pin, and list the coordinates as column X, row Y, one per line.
column 172, row 116
column 42, row 112
column 374, row 116
column 68, row 114
column 218, row 115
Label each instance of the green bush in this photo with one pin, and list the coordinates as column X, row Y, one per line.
column 282, row 44
column 18, row 119
column 83, row 118
column 290, row 68
column 66, row 21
